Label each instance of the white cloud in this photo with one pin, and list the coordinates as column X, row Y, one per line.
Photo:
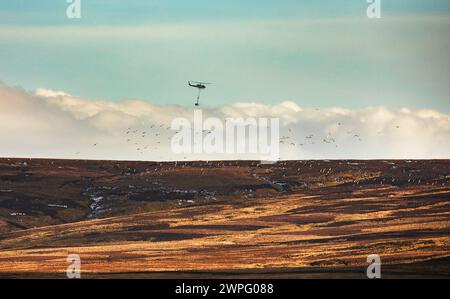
column 55, row 124
column 48, row 93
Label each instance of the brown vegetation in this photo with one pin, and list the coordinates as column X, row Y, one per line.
column 224, row 218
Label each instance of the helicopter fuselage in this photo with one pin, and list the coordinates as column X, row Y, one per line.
column 199, row 86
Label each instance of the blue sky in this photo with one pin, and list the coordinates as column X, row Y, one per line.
column 96, row 12
column 315, row 53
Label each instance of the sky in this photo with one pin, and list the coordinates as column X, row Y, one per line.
column 315, row 53
column 311, row 54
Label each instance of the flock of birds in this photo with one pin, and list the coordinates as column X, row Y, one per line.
column 138, row 138
column 312, row 139
column 161, row 133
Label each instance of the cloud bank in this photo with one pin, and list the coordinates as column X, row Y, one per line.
column 53, row 124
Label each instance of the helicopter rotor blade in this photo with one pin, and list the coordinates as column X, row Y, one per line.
column 199, row 82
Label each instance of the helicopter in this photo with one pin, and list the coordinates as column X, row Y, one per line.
column 200, row 86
